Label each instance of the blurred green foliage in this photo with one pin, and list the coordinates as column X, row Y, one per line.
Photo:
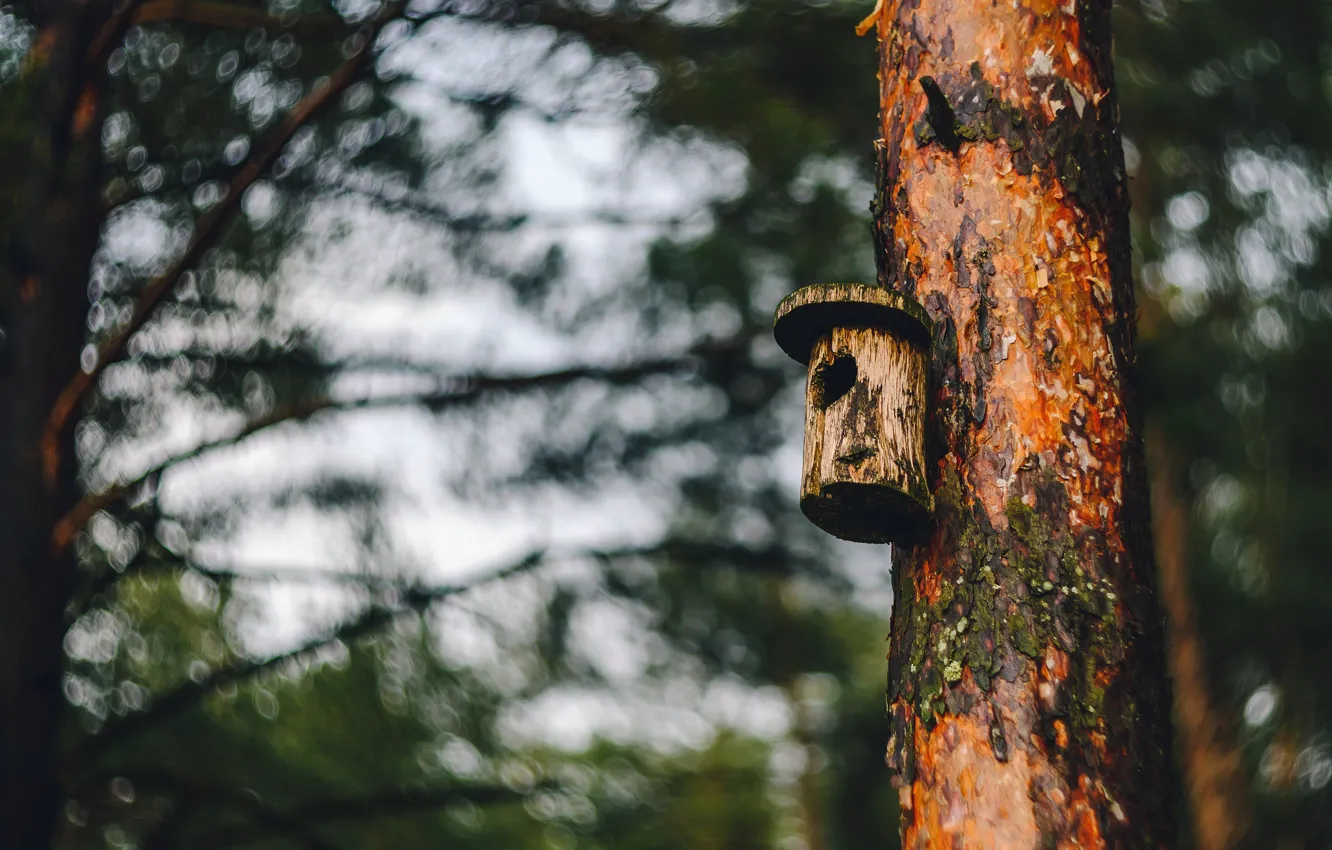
column 1226, row 105
column 390, row 735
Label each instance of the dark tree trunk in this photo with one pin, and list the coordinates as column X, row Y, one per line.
column 1027, row 688
column 51, row 218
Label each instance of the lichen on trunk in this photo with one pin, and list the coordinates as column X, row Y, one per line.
column 1027, row 695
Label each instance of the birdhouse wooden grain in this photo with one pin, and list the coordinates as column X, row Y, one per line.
column 865, row 403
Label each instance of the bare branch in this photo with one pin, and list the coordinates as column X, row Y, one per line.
column 206, row 233
column 455, row 393
column 366, row 623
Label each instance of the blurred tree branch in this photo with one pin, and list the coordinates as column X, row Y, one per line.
column 298, row 822
column 369, row 621
column 768, row 559
column 776, row 560
column 262, row 816
column 424, row 210
column 453, row 393
column 407, row 596
column 401, row 801
column 496, row 104
column 206, row 232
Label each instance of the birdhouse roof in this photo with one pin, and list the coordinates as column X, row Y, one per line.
column 812, row 311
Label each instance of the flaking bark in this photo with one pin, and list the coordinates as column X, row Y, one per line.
column 1027, row 693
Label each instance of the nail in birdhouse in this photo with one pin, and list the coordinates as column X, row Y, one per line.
column 865, row 397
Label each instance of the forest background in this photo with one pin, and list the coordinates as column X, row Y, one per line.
column 449, row 497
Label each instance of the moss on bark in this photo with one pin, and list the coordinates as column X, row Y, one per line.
column 1026, row 660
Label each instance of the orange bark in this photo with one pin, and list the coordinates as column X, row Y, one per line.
column 1026, row 687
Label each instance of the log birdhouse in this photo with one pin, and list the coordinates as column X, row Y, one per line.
column 865, row 397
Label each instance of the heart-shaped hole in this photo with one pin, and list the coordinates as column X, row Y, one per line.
column 834, row 380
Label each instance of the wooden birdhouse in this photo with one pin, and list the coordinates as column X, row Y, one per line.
column 867, row 351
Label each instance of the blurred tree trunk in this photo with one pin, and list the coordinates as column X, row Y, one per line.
column 50, row 124
column 1213, row 770
column 1027, row 686
column 51, row 219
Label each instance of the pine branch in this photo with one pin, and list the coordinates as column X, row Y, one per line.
column 297, row 821
column 368, row 622
column 424, row 210
column 207, row 231
column 771, row 559
column 298, row 361
column 159, row 560
column 299, row 575
column 416, row 597
column 464, row 390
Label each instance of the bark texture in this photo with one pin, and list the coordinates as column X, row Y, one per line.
column 1027, row 689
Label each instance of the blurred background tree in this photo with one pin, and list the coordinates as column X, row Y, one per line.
column 440, row 486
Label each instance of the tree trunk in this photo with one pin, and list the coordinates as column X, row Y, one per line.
column 1027, row 689
column 1213, row 769
column 50, row 216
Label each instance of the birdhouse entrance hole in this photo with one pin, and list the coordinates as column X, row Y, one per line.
column 834, row 380
column 865, row 404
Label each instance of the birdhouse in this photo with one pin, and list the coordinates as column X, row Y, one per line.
column 865, row 398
